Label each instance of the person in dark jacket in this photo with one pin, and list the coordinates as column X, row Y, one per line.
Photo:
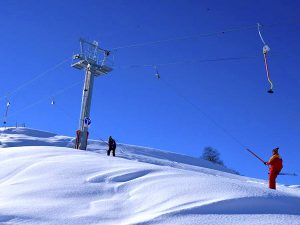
column 275, row 166
column 111, row 146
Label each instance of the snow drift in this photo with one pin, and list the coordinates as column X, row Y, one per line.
column 60, row 185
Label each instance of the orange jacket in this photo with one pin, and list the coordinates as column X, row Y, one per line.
column 275, row 163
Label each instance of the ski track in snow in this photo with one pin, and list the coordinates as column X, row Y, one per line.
column 142, row 186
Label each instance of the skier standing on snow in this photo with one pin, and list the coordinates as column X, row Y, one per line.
column 111, row 146
column 275, row 164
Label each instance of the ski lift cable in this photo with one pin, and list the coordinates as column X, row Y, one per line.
column 267, row 71
column 56, row 106
column 258, row 28
column 6, row 110
column 64, row 112
column 266, row 49
column 238, row 29
column 39, row 76
column 186, row 37
column 206, row 115
column 59, row 92
column 193, row 61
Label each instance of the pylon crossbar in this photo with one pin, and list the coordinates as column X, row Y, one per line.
column 91, row 53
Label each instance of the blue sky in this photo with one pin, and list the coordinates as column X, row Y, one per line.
column 136, row 108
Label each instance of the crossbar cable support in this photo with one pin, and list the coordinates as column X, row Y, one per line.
column 96, row 57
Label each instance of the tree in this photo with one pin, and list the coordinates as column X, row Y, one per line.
column 212, row 155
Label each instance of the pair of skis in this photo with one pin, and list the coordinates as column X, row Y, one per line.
column 284, row 174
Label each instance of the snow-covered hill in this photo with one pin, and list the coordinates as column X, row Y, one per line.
column 15, row 137
column 44, row 181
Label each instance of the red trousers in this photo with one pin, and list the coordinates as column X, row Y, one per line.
column 272, row 179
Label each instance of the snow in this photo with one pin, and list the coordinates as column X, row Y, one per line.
column 42, row 182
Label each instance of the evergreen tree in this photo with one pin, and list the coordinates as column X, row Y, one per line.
column 212, row 155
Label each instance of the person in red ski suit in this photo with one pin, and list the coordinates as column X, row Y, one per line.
column 275, row 166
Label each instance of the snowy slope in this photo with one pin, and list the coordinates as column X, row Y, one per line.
column 58, row 185
column 14, row 137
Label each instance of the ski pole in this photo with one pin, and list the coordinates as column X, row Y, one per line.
column 288, row 174
column 102, row 140
column 255, row 155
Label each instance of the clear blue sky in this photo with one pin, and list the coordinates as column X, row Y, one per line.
column 136, row 108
